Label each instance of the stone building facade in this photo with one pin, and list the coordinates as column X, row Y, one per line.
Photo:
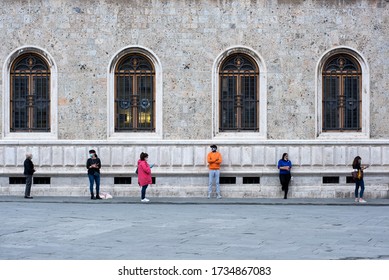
column 190, row 56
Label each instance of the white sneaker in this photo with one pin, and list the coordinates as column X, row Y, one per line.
column 362, row 200
column 145, row 200
column 219, row 196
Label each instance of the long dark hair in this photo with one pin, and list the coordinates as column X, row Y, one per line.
column 283, row 156
column 356, row 162
column 143, row 156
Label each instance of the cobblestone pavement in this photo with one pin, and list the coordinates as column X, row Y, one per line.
column 70, row 229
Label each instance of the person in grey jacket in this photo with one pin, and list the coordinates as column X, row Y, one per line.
column 28, row 173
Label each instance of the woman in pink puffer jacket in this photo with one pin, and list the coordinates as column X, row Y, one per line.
column 144, row 175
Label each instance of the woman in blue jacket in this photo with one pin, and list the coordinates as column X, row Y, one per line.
column 284, row 165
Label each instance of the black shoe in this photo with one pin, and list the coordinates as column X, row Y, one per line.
column 92, row 196
column 98, row 197
column 285, row 197
column 29, row 197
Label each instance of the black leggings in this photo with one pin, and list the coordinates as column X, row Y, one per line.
column 285, row 179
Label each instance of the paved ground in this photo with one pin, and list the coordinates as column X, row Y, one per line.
column 167, row 228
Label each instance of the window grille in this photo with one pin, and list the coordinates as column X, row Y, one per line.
column 134, row 95
column 30, row 95
column 342, row 99
column 238, row 99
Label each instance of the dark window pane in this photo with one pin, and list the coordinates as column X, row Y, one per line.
column 134, row 97
column 30, row 95
column 238, row 99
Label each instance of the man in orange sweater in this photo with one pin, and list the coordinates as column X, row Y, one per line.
column 214, row 160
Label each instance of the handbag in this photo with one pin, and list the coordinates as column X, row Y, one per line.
column 136, row 170
column 357, row 175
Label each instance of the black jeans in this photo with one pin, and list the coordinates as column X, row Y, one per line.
column 285, row 179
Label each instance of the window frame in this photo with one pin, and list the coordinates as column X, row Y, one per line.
column 237, row 75
column 364, row 133
column 31, row 106
column 134, row 79
column 261, row 134
column 53, row 89
column 341, row 76
column 158, row 96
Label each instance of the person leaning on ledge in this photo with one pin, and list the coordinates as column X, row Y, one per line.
column 28, row 173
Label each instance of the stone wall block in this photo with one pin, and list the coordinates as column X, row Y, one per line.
column 224, row 151
column 176, row 156
column 2, row 154
column 129, row 157
column 270, row 156
column 165, row 156
column 20, row 155
column 340, row 155
column 200, row 155
column 317, row 156
column 187, row 156
column 385, row 155
column 82, row 155
column 70, row 156
column 364, row 153
column 154, row 155
column 117, row 156
column 57, row 154
column 104, row 153
column 328, row 155
column 294, row 155
column 247, row 156
column 258, row 155
column 352, row 152
column 45, row 156
column 376, row 156
column 306, row 155
column 280, row 150
column 235, row 156
column 35, row 151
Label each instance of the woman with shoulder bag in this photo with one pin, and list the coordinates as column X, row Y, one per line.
column 358, row 178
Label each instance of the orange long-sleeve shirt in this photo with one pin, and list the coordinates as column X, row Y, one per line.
column 214, row 160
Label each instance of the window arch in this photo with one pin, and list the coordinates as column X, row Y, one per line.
column 342, row 96
column 238, row 94
column 30, row 94
column 134, row 94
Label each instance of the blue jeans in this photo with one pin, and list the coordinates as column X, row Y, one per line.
column 359, row 183
column 143, row 191
column 94, row 178
column 214, row 174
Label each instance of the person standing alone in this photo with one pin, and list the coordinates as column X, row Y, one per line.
column 28, row 173
column 144, row 175
column 93, row 164
column 214, row 160
column 284, row 165
column 359, row 182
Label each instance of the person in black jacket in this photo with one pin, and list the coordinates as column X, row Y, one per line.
column 93, row 164
column 28, row 172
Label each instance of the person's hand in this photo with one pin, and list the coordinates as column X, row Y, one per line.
column 152, row 165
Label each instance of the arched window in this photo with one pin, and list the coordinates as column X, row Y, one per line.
column 342, row 94
column 30, row 94
column 134, row 94
column 238, row 94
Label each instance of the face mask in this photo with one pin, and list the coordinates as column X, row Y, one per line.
column 213, row 150
column 91, row 155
